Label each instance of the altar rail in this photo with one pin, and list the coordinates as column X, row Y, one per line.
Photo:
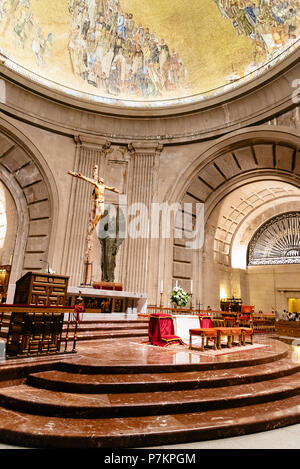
column 38, row 330
column 286, row 328
column 258, row 321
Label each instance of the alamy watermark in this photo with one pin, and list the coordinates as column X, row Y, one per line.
column 158, row 220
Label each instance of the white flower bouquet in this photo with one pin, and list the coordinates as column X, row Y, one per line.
column 179, row 297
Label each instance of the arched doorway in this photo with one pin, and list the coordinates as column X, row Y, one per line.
column 267, row 163
column 31, row 189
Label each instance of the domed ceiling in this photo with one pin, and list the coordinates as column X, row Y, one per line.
column 152, row 53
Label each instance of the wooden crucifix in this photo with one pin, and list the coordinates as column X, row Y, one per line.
column 96, row 213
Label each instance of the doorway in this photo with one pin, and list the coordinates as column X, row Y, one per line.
column 293, row 305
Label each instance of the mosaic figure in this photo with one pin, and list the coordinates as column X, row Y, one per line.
column 17, row 19
column 111, row 52
column 272, row 24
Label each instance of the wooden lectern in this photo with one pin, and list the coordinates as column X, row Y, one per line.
column 37, row 329
column 41, row 289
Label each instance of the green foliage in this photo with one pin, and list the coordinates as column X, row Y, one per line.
column 179, row 297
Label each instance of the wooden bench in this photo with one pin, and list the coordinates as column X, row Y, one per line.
column 216, row 334
column 237, row 332
column 204, row 333
column 247, row 332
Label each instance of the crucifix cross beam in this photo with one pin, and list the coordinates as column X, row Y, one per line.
column 96, row 213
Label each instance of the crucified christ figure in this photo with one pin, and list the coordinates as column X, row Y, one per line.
column 98, row 195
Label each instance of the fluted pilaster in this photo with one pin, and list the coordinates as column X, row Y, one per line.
column 143, row 169
column 88, row 154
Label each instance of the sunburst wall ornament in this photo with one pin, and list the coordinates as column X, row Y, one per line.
column 277, row 241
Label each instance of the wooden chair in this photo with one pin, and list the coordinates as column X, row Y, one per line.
column 218, row 322
column 244, row 321
column 206, row 323
column 208, row 334
column 224, row 332
column 229, row 321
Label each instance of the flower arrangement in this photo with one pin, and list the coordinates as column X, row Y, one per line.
column 179, row 297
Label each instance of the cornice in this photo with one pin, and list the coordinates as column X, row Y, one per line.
column 254, row 103
column 145, row 148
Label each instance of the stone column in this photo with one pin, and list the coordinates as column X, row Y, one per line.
column 89, row 152
column 142, row 188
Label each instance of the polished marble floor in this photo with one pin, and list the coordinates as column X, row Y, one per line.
column 281, row 438
column 136, row 351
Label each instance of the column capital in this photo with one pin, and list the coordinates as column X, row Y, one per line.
column 94, row 142
column 145, row 148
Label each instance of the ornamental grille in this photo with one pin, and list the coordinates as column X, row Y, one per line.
column 277, row 241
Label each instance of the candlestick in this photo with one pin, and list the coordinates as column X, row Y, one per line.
column 161, row 300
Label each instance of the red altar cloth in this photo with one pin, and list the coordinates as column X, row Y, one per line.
column 206, row 322
column 161, row 330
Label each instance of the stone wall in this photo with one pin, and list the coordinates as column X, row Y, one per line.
column 172, row 156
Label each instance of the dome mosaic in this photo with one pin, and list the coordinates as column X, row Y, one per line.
column 152, row 53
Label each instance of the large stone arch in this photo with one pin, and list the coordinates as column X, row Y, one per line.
column 243, row 138
column 232, row 161
column 224, row 271
column 26, row 175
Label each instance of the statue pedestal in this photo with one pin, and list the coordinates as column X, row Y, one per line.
column 115, row 301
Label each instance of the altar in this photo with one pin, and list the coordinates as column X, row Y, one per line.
column 183, row 323
column 108, row 301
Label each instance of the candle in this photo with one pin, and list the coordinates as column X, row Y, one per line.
column 176, row 283
column 191, row 286
column 162, row 286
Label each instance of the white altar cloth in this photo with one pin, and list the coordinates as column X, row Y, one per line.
column 135, row 302
column 183, row 323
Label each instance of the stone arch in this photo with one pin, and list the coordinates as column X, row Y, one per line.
column 30, row 182
column 256, row 218
column 241, row 139
column 232, row 161
column 243, row 201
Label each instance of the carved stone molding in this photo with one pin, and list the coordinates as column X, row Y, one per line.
column 145, row 148
column 258, row 101
column 100, row 143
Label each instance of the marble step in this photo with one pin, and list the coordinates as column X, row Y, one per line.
column 65, row 381
column 96, row 335
column 38, row 431
column 127, row 365
column 45, row 402
column 124, row 330
column 108, row 327
column 145, row 322
column 93, row 333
